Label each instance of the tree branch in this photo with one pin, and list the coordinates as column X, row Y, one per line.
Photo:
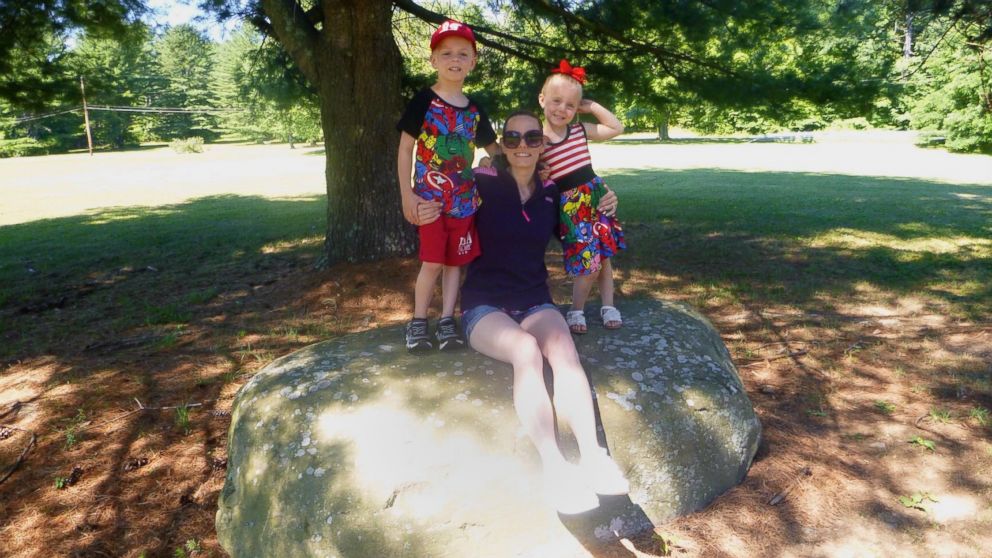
column 659, row 52
column 433, row 17
column 292, row 26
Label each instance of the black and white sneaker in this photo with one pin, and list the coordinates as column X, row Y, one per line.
column 417, row 339
column 447, row 335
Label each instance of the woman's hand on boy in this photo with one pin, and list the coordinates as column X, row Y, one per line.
column 418, row 211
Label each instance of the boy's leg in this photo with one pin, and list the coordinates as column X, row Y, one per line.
column 450, row 281
column 432, row 251
column 417, row 336
column 448, row 335
column 424, row 291
column 460, row 249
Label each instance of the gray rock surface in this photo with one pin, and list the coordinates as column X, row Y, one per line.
column 353, row 448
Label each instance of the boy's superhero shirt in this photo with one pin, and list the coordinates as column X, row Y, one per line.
column 446, row 139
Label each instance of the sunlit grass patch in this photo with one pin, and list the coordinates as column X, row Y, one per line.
column 291, row 245
column 970, row 247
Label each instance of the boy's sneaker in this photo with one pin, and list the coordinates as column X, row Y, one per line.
column 447, row 335
column 417, row 339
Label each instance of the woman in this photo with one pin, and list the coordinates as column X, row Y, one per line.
column 508, row 315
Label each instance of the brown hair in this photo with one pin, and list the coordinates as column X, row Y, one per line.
column 521, row 112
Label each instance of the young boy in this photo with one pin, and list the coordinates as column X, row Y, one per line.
column 445, row 126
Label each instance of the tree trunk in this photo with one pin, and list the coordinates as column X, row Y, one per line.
column 359, row 69
column 663, row 127
column 907, row 42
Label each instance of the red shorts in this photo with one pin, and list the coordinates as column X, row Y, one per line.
column 449, row 241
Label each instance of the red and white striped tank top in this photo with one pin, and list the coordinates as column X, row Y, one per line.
column 568, row 155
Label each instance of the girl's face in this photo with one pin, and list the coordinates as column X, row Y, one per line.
column 522, row 131
column 560, row 101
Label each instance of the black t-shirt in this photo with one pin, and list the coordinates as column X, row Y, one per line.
column 447, row 136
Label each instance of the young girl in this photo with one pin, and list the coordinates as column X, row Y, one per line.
column 589, row 238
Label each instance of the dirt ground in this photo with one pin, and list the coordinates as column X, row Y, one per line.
column 873, row 445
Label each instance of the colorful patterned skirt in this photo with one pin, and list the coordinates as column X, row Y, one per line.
column 587, row 236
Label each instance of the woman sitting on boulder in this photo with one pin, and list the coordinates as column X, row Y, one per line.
column 508, row 315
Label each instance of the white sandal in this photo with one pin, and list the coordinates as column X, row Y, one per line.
column 611, row 314
column 576, row 319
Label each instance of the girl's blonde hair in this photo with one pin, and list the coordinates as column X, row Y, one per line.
column 561, row 79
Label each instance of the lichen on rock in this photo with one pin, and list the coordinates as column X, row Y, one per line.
column 353, row 447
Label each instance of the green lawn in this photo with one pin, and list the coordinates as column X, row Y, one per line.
column 792, row 237
column 851, row 304
column 786, row 237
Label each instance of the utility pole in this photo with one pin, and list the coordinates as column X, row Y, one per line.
column 86, row 117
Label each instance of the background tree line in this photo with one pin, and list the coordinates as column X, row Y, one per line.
column 912, row 64
column 244, row 86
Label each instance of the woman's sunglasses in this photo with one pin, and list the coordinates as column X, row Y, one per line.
column 533, row 138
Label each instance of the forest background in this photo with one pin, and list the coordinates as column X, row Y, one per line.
column 911, row 65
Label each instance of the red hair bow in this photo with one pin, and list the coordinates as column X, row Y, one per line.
column 575, row 72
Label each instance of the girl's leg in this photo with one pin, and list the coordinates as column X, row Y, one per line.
column 606, row 282
column 606, row 292
column 581, row 285
column 450, row 278
column 424, row 290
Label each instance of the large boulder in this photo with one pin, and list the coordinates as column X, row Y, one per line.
column 354, row 448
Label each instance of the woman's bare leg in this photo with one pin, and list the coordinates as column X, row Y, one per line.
column 573, row 400
column 499, row 337
column 573, row 396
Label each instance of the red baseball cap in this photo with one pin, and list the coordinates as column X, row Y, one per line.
column 452, row 28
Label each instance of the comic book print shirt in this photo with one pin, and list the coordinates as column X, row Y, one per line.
column 446, row 139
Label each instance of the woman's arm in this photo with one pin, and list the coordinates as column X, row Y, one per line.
column 609, row 125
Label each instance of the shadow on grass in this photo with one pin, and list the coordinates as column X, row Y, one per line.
column 147, row 263
column 759, row 238
column 789, row 237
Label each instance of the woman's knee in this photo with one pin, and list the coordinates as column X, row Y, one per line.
column 527, row 352
column 560, row 347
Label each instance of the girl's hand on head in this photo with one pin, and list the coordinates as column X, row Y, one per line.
column 585, row 106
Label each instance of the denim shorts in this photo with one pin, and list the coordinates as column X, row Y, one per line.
column 472, row 316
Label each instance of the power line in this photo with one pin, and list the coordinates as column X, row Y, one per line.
column 163, row 110
column 112, row 108
column 46, row 115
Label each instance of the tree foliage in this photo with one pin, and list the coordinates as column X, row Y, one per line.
column 714, row 65
column 255, row 75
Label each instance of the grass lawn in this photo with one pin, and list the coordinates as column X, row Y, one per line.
column 854, row 296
